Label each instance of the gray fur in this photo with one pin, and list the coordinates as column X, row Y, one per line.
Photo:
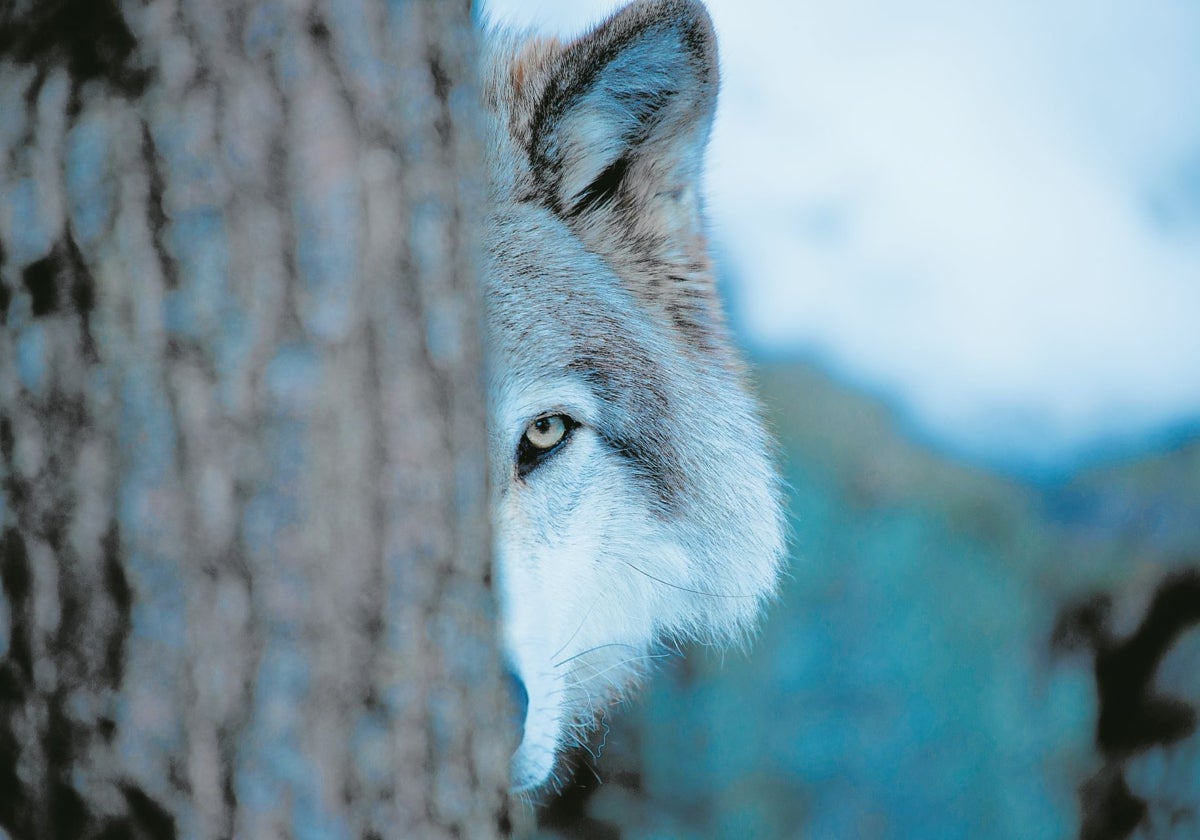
column 659, row 516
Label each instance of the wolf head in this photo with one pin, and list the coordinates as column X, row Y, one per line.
column 633, row 498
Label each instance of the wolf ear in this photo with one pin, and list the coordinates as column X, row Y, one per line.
column 622, row 123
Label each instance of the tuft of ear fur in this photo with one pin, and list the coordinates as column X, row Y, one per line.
column 627, row 110
column 616, row 124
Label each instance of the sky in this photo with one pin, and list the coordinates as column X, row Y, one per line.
column 988, row 213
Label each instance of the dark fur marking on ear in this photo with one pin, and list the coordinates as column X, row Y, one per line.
column 558, row 97
column 647, row 106
column 580, row 71
column 602, row 190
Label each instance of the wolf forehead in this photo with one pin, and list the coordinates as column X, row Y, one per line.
column 557, row 313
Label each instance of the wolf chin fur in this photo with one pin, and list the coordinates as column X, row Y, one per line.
column 634, row 500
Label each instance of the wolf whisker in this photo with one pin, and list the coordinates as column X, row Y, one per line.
column 578, row 682
column 576, row 633
column 685, row 588
column 592, row 649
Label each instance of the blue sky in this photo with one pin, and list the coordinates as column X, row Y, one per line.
column 988, row 213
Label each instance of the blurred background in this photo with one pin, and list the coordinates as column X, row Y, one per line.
column 962, row 245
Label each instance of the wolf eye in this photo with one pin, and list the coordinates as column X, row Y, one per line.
column 546, row 432
column 542, row 437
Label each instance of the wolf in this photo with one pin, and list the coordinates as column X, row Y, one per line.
column 634, row 499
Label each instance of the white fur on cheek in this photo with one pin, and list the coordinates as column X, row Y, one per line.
column 578, row 620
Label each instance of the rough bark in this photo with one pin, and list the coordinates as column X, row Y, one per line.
column 243, row 531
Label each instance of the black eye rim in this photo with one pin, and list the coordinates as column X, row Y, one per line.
column 530, row 457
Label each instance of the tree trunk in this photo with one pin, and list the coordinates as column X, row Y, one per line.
column 243, row 512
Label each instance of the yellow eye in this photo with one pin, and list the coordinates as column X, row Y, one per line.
column 546, row 432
